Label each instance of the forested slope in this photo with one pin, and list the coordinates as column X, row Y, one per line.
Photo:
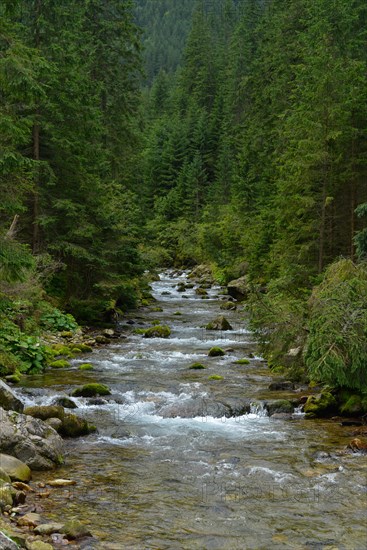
column 257, row 152
column 247, row 150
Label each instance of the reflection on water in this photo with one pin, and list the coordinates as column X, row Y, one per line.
column 170, row 469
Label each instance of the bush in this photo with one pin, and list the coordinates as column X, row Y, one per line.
column 336, row 350
column 56, row 321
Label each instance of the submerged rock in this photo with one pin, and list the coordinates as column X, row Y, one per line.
column 74, row 529
column 30, row 440
column 281, row 385
column 8, row 399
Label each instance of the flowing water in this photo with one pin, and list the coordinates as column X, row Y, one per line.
column 170, row 468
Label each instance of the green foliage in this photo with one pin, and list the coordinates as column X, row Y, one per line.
column 56, row 321
column 279, row 318
column 20, row 350
column 337, row 342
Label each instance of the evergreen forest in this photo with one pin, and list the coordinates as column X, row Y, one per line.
column 138, row 134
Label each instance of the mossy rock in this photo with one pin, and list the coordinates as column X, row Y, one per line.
column 44, row 412
column 320, row 405
column 220, row 323
column 156, row 309
column 81, row 348
column 155, row 322
column 91, row 390
column 66, row 334
column 228, row 306
column 242, row 362
column 216, row 377
column 201, row 291
column 13, row 378
column 86, row 366
column 74, row 426
column 177, row 313
column 159, row 331
column 139, row 330
column 279, row 406
column 353, row 406
column 6, row 496
column 197, row 366
column 59, row 364
column 62, row 349
column 216, row 352
column 66, row 402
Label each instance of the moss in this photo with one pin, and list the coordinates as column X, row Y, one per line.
column 13, row 378
column 353, row 405
column 86, row 366
column 139, row 330
column 177, row 313
column 216, row 377
column 197, row 366
column 62, row 349
column 160, row 331
column 81, row 348
column 320, row 405
column 46, row 411
column 242, row 362
column 73, row 426
column 91, row 390
column 155, row 322
column 8, row 363
column 228, row 306
column 156, row 309
column 66, row 334
column 279, row 406
column 59, row 364
column 145, row 302
column 216, row 352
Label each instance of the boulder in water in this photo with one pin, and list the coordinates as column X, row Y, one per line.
column 220, row 323
column 158, row 331
column 279, row 406
column 216, row 352
column 239, row 288
column 8, row 399
column 91, row 390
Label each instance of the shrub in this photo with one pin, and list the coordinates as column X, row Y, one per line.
column 336, row 351
column 56, row 321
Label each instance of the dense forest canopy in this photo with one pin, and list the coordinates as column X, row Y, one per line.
column 246, row 150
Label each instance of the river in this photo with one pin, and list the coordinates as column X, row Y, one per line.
column 169, row 469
